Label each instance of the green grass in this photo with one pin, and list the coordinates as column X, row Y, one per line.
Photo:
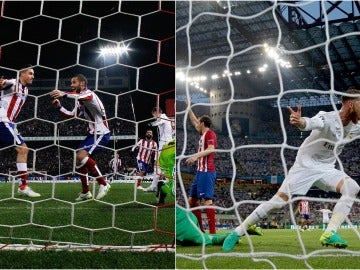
column 119, row 219
column 284, row 252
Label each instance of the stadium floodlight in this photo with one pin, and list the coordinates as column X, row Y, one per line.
column 119, row 50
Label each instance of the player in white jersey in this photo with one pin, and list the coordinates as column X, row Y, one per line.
column 92, row 109
column 315, row 165
column 325, row 215
column 147, row 148
column 165, row 135
column 13, row 97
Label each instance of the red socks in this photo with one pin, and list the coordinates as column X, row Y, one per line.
column 84, row 179
column 210, row 213
column 23, row 176
column 90, row 166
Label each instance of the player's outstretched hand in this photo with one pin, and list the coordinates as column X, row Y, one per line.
column 56, row 103
column 295, row 117
column 57, row 94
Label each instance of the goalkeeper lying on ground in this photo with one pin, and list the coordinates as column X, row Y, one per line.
column 188, row 232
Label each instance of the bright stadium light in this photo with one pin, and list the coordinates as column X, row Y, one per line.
column 119, row 50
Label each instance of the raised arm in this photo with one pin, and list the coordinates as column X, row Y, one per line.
column 296, row 119
column 193, row 119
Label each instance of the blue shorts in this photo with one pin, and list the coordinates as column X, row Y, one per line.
column 94, row 143
column 142, row 166
column 9, row 135
column 305, row 216
column 203, row 185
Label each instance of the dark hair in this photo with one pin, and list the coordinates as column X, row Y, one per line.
column 25, row 68
column 206, row 120
column 352, row 91
column 156, row 109
column 81, row 78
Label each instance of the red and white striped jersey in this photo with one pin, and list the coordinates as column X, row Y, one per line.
column 304, row 207
column 90, row 106
column 206, row 163
column 115, row 164
column 146, row 149
column 12, row 98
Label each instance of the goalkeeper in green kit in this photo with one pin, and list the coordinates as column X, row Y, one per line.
column 166, row 162
column 187, row 230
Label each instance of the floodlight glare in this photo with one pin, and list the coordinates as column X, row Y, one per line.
column 114, row 50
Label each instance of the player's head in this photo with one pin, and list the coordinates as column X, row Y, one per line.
column 26, row 75
column 149, row 134
column 206, row 120
column 78, row 82
column 156, row 112
column 351, row 104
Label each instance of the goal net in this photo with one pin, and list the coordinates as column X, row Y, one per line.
column 126, row 52
column 243, row 63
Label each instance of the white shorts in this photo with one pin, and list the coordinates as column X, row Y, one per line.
column 300, row 179
column 326, row 221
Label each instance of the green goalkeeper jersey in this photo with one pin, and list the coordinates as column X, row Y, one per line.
column 187, row 232
column 167, row 160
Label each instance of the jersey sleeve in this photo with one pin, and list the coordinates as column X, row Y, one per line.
column 87, row 95
column 316, row 122
column 158, row 122
column 8, row 87
column 66, row 113
column 210, row 138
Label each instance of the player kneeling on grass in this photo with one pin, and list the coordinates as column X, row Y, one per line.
column 315, row 166
column 92, row 109
column 188, row 231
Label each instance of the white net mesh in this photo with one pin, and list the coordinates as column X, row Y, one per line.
column 243, row 63
column 60, row 40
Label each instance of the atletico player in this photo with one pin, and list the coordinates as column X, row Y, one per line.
column 13, row 96
column 147, row 148
column 202, row 187
column 90, row 106
column 304, row 210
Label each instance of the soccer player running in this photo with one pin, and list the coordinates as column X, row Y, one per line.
column 13, row 97
column 147, row 148
column 202, row 188
column 315, row 165
column 304, row 211
column 92, row 109
column 165, row 135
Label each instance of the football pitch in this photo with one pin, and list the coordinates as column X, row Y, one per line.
column 277, row 248
column 122, row 218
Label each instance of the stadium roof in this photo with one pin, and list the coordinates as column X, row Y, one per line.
column 230, row 35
